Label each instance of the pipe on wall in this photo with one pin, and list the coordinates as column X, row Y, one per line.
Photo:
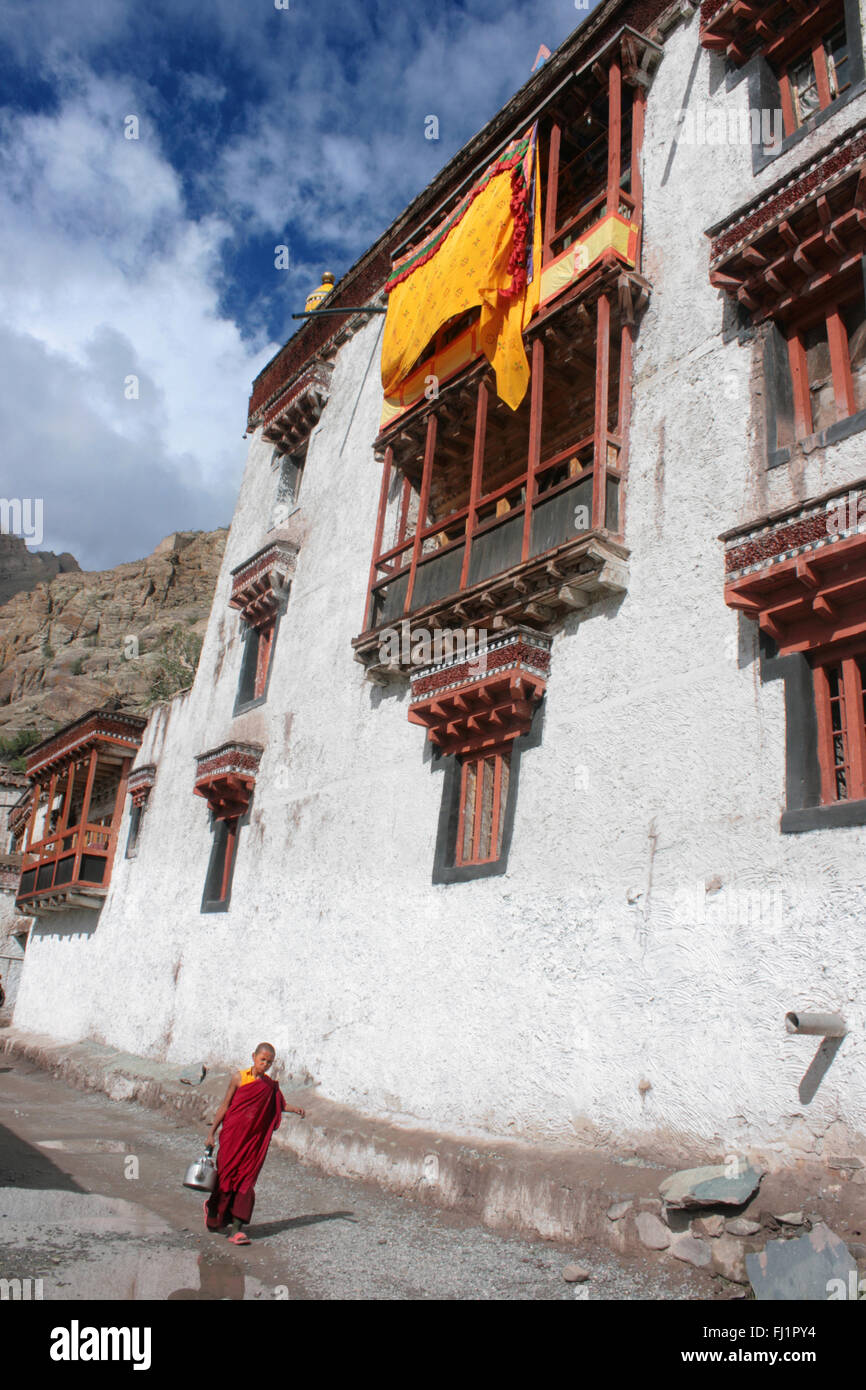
column 819, row 1025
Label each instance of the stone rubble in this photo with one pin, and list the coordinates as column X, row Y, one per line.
column 714, row 1185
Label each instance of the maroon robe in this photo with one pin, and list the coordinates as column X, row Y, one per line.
column 254, row 1113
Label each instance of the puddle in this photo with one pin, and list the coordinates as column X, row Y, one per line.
column 74, row 1213
column 85, row 1146
column 112, row 1275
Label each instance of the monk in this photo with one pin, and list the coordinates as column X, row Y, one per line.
column 251, row 1111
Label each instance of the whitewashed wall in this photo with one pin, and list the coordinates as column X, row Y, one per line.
column 628, row 977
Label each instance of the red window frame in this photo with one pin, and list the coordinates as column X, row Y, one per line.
column 263, row 657
column 826, row 79
column 832, row 314
column 840, row 705
column 477, row 842
column 222, row 865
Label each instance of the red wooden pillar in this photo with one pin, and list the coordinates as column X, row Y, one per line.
column 423, row 504
column 477, row 474
column 822, row 77
column 856, row 731
column 789, row 119
column 231, row 837
column 826, row 760
column 638, row 122
column 535, row 409
column 380, row 527
column 840, row 360
column 602, row 390
column 800, row 379
column 67, row 799
column 614, row 134
column 85, row 811
column 552, row 191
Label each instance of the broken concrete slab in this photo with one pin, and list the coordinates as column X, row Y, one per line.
column 716, row 1185
column 808, row 1267
column 653, row 1232
column 694, row 1252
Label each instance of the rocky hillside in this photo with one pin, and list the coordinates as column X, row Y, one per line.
column 132, row 633
column 21, row 570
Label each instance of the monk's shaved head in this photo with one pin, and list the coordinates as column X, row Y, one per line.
column 266, row 1047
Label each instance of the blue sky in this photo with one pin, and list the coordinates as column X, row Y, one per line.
column 154, row 257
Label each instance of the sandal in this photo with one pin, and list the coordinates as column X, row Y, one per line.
column 239, row 1239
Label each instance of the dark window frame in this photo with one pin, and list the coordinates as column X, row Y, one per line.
column 136, row 816
column 253, row 685
column 787, row 404
column 804, row 809
column 765, row 86
column 446, row 869
column 222, row 862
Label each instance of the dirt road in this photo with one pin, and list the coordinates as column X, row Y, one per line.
column 91, row 1204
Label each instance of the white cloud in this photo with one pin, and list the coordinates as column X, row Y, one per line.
column 104, row 275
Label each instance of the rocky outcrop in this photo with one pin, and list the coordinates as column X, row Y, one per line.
column 132, row 633
column 21, row 569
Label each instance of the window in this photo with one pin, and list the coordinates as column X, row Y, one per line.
column 483, row 797
column 256, row 662
column 828, row 372
column 217, row 888
column 289, row 475
column 135, row 817
column 840, row 704
column 815, row 78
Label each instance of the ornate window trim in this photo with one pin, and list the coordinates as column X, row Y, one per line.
column 477, row 711
column 139, row 786
column 225, row 777
column 260, row 592
column 801, row 575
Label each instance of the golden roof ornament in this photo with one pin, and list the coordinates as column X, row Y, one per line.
column 321, row 294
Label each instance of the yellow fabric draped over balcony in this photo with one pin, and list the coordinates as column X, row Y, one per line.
column 486, row 252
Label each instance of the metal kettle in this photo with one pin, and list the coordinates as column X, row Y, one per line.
column 202, row 1174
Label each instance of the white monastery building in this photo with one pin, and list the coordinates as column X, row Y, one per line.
column 521, row 789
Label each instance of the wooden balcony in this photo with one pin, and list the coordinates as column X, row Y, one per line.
column 65, row 871
column 523, row 510
column 79, row 776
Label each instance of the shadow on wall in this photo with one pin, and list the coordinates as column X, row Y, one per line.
column 818, row 1068
column 65, row 925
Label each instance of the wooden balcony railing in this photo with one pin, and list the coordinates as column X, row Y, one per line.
column 80, row 857
column 491, row 535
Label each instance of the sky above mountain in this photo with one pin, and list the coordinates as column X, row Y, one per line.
column 139, row 294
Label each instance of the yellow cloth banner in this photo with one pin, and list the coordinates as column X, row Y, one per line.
column 470, row 267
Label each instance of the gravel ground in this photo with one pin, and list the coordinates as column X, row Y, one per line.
column 74, row 1213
